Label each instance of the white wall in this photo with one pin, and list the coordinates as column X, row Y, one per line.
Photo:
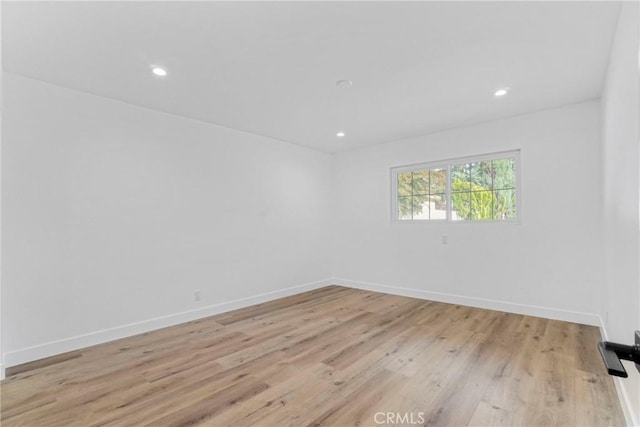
column 1, row 352
column 115, row 214
column 621, row 179
column 549, row 265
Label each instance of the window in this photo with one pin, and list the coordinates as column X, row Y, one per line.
column 481, row 188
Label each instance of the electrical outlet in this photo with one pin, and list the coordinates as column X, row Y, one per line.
column 196, row 295
column 445, row 240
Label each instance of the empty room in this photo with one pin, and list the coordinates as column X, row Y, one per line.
column 308, row 213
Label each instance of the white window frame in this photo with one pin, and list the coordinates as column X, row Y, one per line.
column 446, row 164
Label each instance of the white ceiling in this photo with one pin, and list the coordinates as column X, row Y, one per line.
column 271, row 68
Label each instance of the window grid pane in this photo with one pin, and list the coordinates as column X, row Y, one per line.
column 420, row 183
column 504, row 174
column 404, row 208
column 438, row 207
column 403, row 183
column 460, row 206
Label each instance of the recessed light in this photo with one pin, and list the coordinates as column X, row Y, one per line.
column 501, row 92
column 340, row 134
column 344, row 83
column 161, row 72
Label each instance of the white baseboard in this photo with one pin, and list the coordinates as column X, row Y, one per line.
column 623, row 396
column 491, row 304
column 81, row 341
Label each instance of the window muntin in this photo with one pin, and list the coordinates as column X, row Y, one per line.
column 482, row 188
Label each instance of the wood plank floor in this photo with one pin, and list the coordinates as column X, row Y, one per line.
column 335, row 357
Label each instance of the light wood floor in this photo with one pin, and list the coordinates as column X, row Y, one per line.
column 334, row 356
